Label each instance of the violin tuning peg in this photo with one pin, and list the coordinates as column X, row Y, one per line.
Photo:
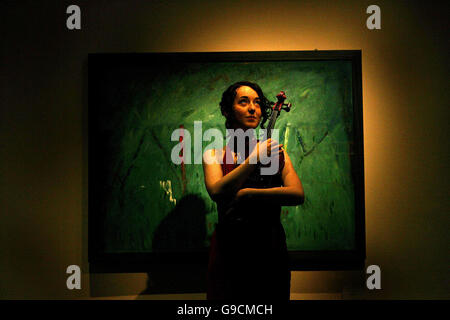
column 288, row 107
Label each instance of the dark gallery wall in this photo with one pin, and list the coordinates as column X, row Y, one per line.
column 43, row 176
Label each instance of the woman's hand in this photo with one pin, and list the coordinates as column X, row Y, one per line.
column 265, row 149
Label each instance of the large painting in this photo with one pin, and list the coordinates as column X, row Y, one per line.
column 144, row 208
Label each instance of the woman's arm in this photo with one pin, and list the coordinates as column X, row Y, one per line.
column 291, row 194
column 222, row 187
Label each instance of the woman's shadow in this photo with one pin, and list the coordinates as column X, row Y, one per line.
column 182, row 234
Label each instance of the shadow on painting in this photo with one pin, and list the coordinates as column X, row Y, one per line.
column 182, row 230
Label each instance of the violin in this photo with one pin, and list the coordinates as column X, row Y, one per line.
column 256, row 179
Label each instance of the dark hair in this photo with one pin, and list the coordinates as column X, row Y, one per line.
column 228, row 96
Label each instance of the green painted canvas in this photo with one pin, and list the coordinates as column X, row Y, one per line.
column 152, row 204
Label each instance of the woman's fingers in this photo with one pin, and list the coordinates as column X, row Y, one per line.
column 268, row 146
column 276, row 146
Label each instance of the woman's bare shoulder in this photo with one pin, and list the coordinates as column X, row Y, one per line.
column 213, row 155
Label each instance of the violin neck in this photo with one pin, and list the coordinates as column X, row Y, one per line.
column 271, row 125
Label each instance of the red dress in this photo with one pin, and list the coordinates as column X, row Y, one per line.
column 248, row 257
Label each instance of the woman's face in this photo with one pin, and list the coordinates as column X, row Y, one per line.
column 246, row 108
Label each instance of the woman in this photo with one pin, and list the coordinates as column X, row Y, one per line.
column 248, row 255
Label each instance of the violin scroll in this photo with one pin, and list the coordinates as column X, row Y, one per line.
column 287, row 107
